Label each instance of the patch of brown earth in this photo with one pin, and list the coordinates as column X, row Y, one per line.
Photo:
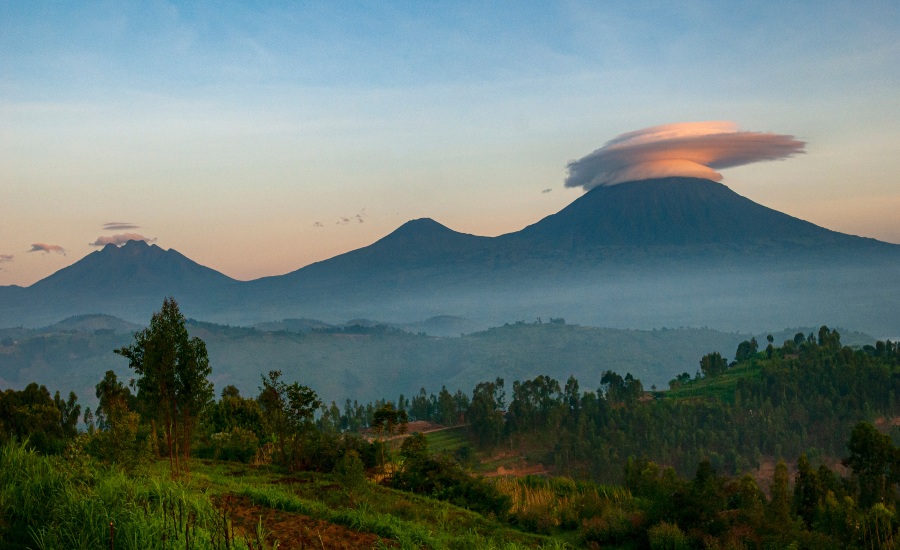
column 292, row 531
column 884, row 424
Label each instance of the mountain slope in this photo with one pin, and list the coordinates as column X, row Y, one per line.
column 675, row 213
column 666, row 252
column 133, row 268
column 130, row 282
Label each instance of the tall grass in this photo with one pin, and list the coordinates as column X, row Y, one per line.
column 49, row 502
column 408, row 534
column 544, row 505
column 75, row 503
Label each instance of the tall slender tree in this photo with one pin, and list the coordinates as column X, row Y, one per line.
column 173, row 371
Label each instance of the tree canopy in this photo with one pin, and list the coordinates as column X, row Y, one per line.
column 173, row 371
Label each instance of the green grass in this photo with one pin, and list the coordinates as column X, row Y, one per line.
column 54, row 502
column 448, row 441
column 412, row 520
column 720, row 387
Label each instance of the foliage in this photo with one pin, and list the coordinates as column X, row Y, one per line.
column 485, row 415
column 231, row 428
column 173, row 372
column 442, row 478
column 350, row 472
column 52, row 503
column 288, row 410
column 803, row 399
column 713, row 364
column 116, row 441
column 46, row 422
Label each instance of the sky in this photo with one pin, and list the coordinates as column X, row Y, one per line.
column 259, row 137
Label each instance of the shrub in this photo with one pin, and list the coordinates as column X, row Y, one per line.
column 667, row 536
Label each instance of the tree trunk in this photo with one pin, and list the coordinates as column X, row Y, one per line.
column 155, row 438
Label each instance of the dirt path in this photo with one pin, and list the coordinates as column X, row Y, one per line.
column 293, row 531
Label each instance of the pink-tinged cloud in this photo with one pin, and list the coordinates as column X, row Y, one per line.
column 119, row 226
column 689, row 149
column 47, row 248
column 6, row 258
column 121, row 239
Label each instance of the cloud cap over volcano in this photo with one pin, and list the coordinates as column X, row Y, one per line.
column 689, row 149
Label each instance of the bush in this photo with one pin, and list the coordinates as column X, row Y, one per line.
column 351, row 473
column 443, row 478
column 667, row 536
column 239, row 444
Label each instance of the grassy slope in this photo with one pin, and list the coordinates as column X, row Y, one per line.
column 69, row 503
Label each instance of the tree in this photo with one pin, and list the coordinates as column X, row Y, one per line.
column 289, row 411
column 388, row 420
column 746, row 350
column 116, row 440
column 713, row 364
column 173, row 370
column 46, row 422
column 875, row 463
column 808, row 491
column 485, row 414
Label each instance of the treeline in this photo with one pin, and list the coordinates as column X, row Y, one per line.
column 802, row 399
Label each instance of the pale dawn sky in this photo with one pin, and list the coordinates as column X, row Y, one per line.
column 259, row 137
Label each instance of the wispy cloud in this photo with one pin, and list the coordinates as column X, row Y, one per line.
column 691, row 149
column 47, row 248
column 119, row 226
column 6, row 258
column 121, row 239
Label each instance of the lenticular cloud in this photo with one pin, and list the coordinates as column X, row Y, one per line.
column 689, row 149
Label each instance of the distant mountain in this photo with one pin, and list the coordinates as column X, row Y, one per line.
column 96, row 324
column 675, row 214
column 136, row 267
column 369, row 366
column 664, row 252
column 127, row 281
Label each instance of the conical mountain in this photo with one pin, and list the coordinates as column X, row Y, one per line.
column 683, row 214
column 417, row 245
column 129, row 282
column 609, row 250
column 135, row 267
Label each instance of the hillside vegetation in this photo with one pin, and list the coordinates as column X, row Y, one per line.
column 630, row 468
column 367, row 362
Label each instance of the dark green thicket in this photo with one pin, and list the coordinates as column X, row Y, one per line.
column 804, row 397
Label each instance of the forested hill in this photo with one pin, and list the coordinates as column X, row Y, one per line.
column 681, row 454
column 368, row 362
column 804, row 396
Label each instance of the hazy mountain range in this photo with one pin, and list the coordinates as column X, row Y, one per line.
column 654, row 253
column 366, row 361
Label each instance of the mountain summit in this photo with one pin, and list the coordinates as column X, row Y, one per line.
column 129, row 282
column 673, row 213
column 134, row 267
column 661, row 252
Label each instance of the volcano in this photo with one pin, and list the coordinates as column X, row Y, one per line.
column 663, row 252
column 677, row 215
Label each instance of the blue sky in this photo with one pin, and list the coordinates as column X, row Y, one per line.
column 259, row 137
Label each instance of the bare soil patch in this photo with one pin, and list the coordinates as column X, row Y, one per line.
column 293, row 531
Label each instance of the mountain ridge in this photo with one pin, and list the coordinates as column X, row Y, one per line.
column 677, row 248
